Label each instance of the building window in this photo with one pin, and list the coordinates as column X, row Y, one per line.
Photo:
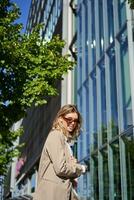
column 116, row 170
column 93, row 42
column 125, row 75
column 80, row 153
column 110, row 21
column 101, row 27
column 113, row 91
column 86, row 21
column 86, row 120
column 80, row 31
column 103, row 102
column 105, row 174
column 79, row 71
column 122, row 12
column 129, row 148
column 94, row 93
column 95, row 177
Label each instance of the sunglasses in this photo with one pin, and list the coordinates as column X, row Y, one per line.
column 70, row 120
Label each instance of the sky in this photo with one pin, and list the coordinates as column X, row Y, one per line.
column 24, row 8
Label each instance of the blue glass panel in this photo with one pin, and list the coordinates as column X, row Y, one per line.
column 122, row 12
column 80, row 140
column 101, row 27
column 116, row 170
column 79, row 48
column 93, row 44
column 80, row 70
column 86, row 37
column 95, row 178
column 86, row 115
column 94, row 93
column 103, row 101
column 86, row 87
column 80, row 156
column 125, row 75
column 110, row 20
column 129, row 149
column 83, row 91
column 79, row 31
column 105, row 174
column 55, row 11
column 113, row 91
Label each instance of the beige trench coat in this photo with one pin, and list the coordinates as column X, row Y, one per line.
column 56, row 170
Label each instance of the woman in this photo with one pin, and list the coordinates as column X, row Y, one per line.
column 58, row 169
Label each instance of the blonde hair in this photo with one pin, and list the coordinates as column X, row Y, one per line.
column 69, row 108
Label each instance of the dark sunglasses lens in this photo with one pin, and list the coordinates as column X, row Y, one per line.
column 70, row 120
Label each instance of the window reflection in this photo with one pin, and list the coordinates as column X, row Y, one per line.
column 113, row 91
column 87, row 122
column 116, row 171
column 95, row 177
column 122, row 12
column 93, row 44
column 105, row 174
column 86, row 37
column 80, row 70
column 80, row 29
column 129, row 149
column 103, row 102
column 110, row 20
column 80, row 102
column 94, row 93
column 101, row 28
column 125, row 74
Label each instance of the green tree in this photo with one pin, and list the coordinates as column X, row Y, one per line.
column 29, row 70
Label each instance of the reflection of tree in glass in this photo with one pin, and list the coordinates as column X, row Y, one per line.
column 104, row 133
column 95, row 177
column 105, row 174
column 95, row 134
column 116, row 169
column 129, row 142
column 129, row 147
column 114, row 127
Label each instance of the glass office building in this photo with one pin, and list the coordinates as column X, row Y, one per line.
column 99, row 34
column 48, row 13
column 104, row 97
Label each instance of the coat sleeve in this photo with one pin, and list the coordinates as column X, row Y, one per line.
column 55, row 146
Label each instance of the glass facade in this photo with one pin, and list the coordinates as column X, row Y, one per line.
column 47, row 12
column 129, row 150
column 113, row 91
column 83, row 90
column 104, row 100
column 52, row 12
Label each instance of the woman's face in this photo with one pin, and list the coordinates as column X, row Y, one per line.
column 70, row 121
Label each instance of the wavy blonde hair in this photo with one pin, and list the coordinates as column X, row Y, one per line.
column 69, row 108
